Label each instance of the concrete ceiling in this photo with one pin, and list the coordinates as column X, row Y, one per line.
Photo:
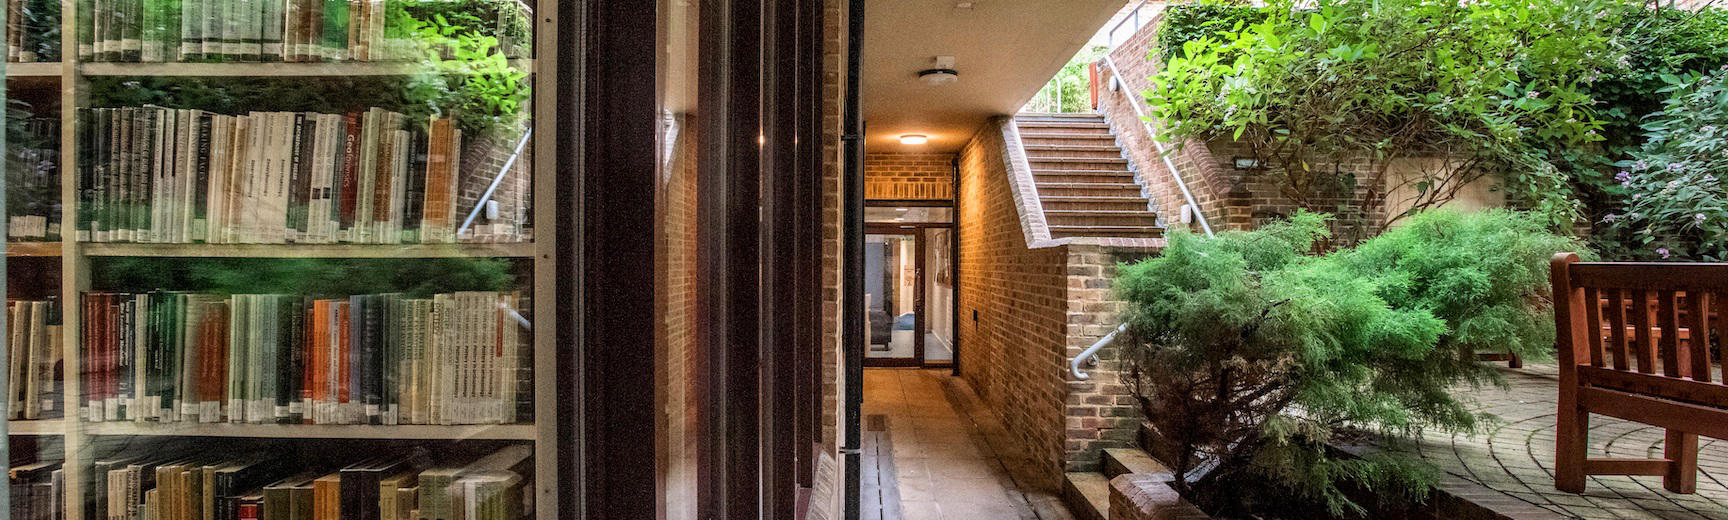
column 1004, row 50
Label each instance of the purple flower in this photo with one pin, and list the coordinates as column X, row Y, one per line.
column 1662, row 251
column 1674, row 167
column 1699, row 217
column 1623, row 176
column 1532, row 94
column 1610, row 218
column 1626, row 184
column 1640, row 165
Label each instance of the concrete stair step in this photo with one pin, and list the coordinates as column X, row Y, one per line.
column 1043, row 163
column 1067, row 151
column 1101, row 218
column 1107, row 231
column 1087, row 494
column 1089, row 189
column 1120, row 461
column 1040, row 136
column 1081, row 203
column 1056, row 116
column 1086, row 176
column 1064, row 127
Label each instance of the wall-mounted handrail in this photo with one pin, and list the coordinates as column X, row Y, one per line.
column 1074, row 366
column 1134, row 17
column 1152, row 135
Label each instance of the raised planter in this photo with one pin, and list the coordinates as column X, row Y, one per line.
column 1148, row 496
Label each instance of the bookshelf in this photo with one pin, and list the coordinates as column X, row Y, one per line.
column 27, row 249
column 72, row 79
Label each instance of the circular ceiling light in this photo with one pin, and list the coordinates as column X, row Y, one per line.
column 914, row 139
column 937, row 77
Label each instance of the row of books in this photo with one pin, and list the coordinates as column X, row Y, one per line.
column 32, row 31
column 153, row 174
column 36, row 490
column 33, row 342
column 456, row 358
column 33, row 180
column 235, row 30
column 389, row 486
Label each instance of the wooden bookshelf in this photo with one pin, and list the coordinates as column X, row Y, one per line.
column 72, row 79
column 335, row 69
column 506, row 250
column 42, row 70
column 524, row 432
column 38, row 427
column 16, row 249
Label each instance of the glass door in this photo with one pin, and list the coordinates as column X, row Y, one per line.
column 893, row 296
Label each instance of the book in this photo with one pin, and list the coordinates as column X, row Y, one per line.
column 159, row 175
column 178, row 357
column 33, row 342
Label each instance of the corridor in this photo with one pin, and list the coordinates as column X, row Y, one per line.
column 929, row 453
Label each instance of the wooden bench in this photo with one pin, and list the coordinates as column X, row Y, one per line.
column 1634, row 343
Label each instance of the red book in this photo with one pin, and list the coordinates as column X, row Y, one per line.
column 350, row 168
column 343, row 344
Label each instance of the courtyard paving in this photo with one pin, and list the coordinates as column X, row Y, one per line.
column 1515, row 457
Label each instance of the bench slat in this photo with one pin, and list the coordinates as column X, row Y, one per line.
column 1656, row 467
column 1699, row 344
column 1617, row 321
column 1688, row 390
column 1690, row 418
column 1652, row 276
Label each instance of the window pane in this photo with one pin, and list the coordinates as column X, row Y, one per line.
column 299, row 261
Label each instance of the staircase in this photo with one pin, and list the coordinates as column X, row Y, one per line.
column 1087, row 493
column 1083, row 180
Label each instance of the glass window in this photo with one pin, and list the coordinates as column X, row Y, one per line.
column 290, row 265
column 908, row 215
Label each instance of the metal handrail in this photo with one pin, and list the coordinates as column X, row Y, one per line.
column 1170, row 165
column 1135, row 17
column 1074, row 366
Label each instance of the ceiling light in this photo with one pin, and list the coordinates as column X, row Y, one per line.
column 914, row 139
column 938, row 77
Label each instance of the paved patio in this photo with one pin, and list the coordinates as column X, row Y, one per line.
column 1516, row 458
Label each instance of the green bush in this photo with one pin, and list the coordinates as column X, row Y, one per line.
column 1189, row 22
column 1253, row 356
column 1677, row 202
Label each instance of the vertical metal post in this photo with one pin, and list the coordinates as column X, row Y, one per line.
column 852, row 258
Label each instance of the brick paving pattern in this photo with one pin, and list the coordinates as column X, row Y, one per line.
column 1515, row 457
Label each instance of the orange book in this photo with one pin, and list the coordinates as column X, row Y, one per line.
column 327, row 497
column 343, row 344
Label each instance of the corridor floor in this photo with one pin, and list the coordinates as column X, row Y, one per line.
column 931, row 451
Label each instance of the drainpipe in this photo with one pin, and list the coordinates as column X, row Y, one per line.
column 954, row 268
column 852, row 259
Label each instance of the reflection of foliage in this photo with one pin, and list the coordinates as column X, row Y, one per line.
column 1068, row 92
column 461, row 47
column 41, row 27
column 1253, row 356
column 1189, row 22
column 309, row 276
column 467, row 76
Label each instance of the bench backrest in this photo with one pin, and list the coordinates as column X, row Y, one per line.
column 1652, row 318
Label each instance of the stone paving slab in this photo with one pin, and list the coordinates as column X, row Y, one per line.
column 1515, row 457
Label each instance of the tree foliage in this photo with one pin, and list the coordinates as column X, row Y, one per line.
column 1468, row 85
column 1253, row 355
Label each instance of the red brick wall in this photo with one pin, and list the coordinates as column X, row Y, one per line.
column 1012, row 353
column 1099, row 412
column 675, row 311
column 909, row 176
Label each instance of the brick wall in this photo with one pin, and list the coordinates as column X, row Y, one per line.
column 675, row 311
column 1099, row 412
column 909, row 176
column 826, row 496
column 1013, row 349
column 483, row 161
column 1036, row 307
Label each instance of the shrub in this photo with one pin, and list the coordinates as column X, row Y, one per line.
column 1253, row 356
column 1678, row 203
column 1189, row 22
column 1317, row 83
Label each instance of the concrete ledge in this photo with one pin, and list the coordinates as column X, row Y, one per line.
column 1148, row 496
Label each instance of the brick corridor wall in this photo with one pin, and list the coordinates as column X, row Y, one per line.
column 909, row 176
column 1013, row 351
column 675, row 311
column 482, row 160
column 826, row 496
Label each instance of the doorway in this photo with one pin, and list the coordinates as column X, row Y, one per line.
column 909, row 287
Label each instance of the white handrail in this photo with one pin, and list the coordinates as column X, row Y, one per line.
column 1074, row 366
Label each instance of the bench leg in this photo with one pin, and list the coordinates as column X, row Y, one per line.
column 1571, row 438
column 1681, row 450
column 1516, row 362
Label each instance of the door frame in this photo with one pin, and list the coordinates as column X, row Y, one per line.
column 920, row 316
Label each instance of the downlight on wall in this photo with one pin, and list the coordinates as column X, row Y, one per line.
column 914, row 139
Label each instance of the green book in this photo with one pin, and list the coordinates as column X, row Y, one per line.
column 334, row 46
column 86, row 19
